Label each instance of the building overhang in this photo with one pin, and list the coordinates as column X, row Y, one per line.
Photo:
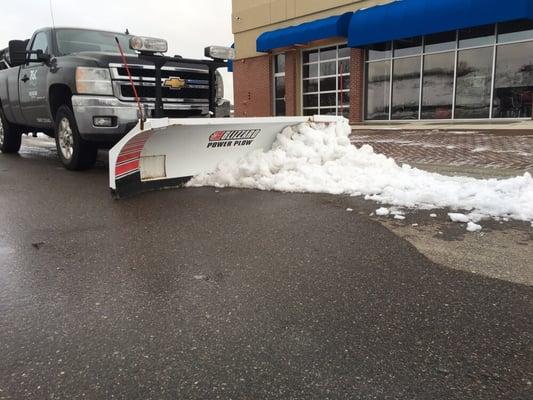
column 336, row 26
column 398, row 19
column 407, row 18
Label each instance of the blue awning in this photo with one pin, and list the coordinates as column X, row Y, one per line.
column 407, row 18
column 331, row 27
column 230, row 62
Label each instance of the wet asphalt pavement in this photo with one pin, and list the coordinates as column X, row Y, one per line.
column 233, row 294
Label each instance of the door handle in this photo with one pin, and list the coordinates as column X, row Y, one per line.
column 25, row 78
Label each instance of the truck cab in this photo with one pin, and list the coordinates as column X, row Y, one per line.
column 75, row 85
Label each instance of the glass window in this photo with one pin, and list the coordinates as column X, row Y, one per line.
column 515, row 31
column 310, row 56
column 474, row 75
column 321, row 79
column 408, row 47
column 310, row 71
column 328, row 111
column 473, row 37
column 437, row 86
column 311, row 100
column 280, row 107
column 329, row 53
column 377, row 90
column 344, row 82
column 328, row 99
column 77, row 40
column 379, row 51
column 513, row 82
column 279, row 84
column 279, row 63
column 458, row 68
column 328, row 84
column 344, row 99
column 40, row 42
column 344, row 66
column 280, row 87
column 328, row 68
column 344, row 52
column 440, row 42
column 311, row 85
column 406, row 88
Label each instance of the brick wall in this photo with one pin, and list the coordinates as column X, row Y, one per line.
column 357, row 67
column 291, row 76
column 253, row 87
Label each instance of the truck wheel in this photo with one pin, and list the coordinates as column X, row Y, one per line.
column 74, row 152
column 10, row 138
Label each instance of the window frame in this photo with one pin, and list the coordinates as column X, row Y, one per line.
column 494, row 45
column 338, row 46
column 275, row 76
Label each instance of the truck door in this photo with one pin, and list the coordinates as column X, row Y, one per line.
column 33, row 85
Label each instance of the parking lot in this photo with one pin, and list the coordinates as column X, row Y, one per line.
column 206, row 293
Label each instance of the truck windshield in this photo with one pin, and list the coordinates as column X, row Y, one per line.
column 78, row 40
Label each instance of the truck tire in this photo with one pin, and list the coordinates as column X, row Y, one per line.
column 74, row 152
column 10, row 138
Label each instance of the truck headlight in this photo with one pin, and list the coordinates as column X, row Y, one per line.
column 148, row 45
column 93, row 81
column 220, row 52
column 219, row 83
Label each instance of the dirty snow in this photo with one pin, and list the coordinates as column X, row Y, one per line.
column 382, row 211
column 473, row 227
column 320, row 159
column 458, row 217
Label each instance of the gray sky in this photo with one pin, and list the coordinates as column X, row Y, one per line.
column 188, row 25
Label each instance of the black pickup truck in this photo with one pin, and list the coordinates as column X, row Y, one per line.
column 73, row 84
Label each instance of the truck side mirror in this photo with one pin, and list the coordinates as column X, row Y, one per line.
column 17, row 52
column 42, row 57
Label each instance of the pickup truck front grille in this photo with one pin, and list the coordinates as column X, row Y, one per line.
column 147, row 91
column 194, row 95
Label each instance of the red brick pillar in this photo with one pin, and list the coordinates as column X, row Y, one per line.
column 357, row 90
column 252, row 84
column 291, row 76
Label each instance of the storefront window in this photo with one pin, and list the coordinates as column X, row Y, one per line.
column 378, row 90
column 513, row 83
column 474, row 76
column 405, row 88
column 515, row 31
column 407, row 47
column 379, row 51
column 440, row 42
column 480, row 72
column 475, row 37
column 326, row 81
column 437, row 86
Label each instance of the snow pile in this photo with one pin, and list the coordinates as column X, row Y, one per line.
column 320, row 159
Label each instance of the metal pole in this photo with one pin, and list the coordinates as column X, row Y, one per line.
column 212, row 91
column 158, row 111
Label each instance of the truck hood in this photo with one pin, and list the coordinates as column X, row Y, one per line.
column 102, row 59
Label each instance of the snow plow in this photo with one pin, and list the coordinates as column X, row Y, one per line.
column 163, row 152
column 166, row 152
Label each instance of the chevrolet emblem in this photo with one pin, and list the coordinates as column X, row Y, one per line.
column 175, row 83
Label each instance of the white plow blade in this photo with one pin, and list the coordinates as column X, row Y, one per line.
column 168, row 152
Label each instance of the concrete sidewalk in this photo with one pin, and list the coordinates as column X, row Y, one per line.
column 481, row 150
